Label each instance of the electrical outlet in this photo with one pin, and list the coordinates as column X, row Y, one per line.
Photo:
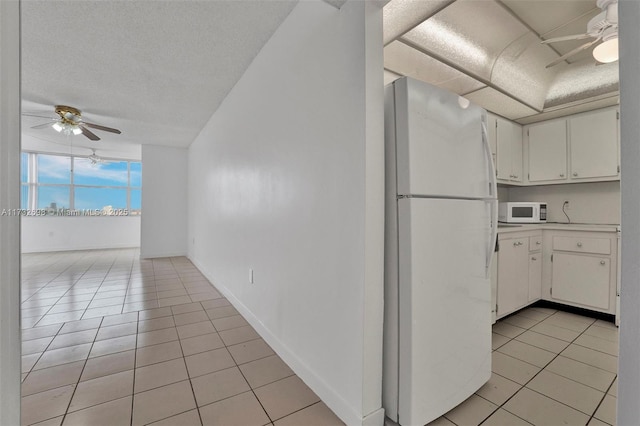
column 566, row 205
column 250, row 276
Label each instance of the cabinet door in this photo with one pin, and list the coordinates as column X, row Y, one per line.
column 509, row 150
column 581, row 279
column 503, row 150
column 535, row 277
column 594, row 145
column 548, row 151
column 513, row 276
column 516, row 152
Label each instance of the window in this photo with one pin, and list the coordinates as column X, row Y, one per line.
column 75, row 186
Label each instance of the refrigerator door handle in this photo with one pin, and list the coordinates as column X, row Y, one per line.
column 493, row 185
column 493, row 191
column 493, row 238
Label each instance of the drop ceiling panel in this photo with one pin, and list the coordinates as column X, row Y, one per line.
column 520, row 70
column 499, row 103
column 587, row 105
column 581, row 81
column 545, row 16
column 399, row 16
column 405, row 60
column 470, row 34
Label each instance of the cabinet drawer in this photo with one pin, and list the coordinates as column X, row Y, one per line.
column 516, row 242
column 582, row 245
column 535, row 243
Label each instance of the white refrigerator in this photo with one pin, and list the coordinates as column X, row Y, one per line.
column 440, row 233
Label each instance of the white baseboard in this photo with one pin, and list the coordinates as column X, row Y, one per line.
column 332, row 399
column 162, row 254
column 374, row 419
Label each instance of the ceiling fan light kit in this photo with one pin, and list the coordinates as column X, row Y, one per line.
column 65, row 128
column 607, row 51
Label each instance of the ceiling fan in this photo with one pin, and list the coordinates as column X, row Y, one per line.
column 94, row 159
column 70, row 122
column 602, row 27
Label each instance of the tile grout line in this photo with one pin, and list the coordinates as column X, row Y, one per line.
column 84, row 311
column 546, row 365
column 41, row 353
column 73, row 394
column 602, row 400
column 498, row 407
column 522, row 386
column 135, row 360
column 184, row 359
column 237, row 366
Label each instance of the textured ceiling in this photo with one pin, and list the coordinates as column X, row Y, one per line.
column 157, row 70
column 490, row 52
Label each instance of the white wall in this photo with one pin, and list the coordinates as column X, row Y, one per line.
column 81, row 146
column 41, row 234
column 287, row 179
column 629, row 367
column 9, row 225
column 593, row 203
column 164, row 202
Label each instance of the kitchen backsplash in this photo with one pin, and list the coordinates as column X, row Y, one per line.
column 592, row 203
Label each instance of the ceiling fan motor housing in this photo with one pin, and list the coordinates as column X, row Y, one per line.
column 68, row 114
column 607, row 19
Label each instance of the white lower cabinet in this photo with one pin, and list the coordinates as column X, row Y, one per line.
column 581, row 279
column 519, row 271
column 576, row 268
column 584, row 270
column 535, row 277
column 513, row 277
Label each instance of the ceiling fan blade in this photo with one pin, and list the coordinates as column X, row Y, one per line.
column 99, row 127
column 26, row 114
column 573, row 52
column 42, row 126
column 89, row 133
column 566, row 38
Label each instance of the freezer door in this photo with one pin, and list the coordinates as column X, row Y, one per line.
column 444, row 310
column 440, row 147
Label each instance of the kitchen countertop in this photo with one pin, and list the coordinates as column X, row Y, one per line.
column 512, row 227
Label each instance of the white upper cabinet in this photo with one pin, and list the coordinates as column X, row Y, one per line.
column 594, row 145
column 509, row 150
column 581, row 148
column 548, row 151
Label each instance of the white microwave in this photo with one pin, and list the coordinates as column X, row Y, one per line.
column 522, row 212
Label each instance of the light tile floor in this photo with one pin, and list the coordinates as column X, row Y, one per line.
column 109, row 339
column 549, row 368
